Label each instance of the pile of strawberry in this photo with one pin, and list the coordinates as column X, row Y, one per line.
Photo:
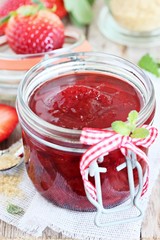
column 33, row 26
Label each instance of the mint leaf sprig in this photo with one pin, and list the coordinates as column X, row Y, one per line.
column 80, row 12
column 14, row 209
column 129, row 128
column 149, row 64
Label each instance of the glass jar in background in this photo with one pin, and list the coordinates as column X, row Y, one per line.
column 14, row 66
column 134, row 23
column 52, row 139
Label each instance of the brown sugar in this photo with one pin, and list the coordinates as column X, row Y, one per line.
column 9, row 184
column 137, row 15
column 7, row 161
column 8, row 158
column 9, row 180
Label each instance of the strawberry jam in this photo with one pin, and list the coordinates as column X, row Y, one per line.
column 94, row 101
column 82, row 100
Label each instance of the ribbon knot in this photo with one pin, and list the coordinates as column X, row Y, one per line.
column 103, row 142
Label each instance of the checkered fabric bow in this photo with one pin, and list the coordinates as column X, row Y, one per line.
column 105, row 141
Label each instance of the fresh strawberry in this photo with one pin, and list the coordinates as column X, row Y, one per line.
column 7, row 7
column 58, row 5
column 34, row 30
column 9, row 120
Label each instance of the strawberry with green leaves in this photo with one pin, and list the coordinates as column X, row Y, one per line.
column 34, row 29
column 9, row 120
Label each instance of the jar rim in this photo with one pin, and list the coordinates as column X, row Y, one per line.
column 22, row 101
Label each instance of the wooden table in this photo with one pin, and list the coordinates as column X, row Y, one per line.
column 150, row 227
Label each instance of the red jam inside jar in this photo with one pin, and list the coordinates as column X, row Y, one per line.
column 83, row 99
column 96, row 101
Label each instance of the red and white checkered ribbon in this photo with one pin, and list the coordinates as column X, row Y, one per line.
column 105, row 141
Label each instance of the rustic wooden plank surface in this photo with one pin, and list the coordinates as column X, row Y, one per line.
column 151, row 224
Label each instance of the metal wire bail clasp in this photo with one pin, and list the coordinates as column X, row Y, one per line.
column 103, row 142
column 94, row 171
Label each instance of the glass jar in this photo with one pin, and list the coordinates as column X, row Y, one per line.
column 14, row 66
column 52, row 150
column 134, row 23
